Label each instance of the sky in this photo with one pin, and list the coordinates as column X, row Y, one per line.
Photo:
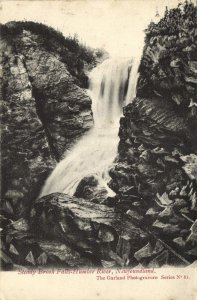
column 115, row 25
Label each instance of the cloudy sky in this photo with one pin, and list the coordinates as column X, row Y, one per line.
column 116, row 25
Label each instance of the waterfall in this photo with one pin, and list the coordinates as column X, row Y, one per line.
column 112, row 85
column 133, row 78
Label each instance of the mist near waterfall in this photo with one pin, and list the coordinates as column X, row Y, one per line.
column 112, row 86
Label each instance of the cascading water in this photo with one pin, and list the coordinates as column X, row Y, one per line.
column 112, row 85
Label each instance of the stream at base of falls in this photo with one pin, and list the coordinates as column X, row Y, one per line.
column 112, row 86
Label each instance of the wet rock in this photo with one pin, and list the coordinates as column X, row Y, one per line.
column 148, row 251
column 175, row 63
column 171, row 159
column 193, row 252
column 160, row 261
column 173, row 193
column 22, row 247
column 134, row 215
column 164, row 200
column 89, row 188
column 179, row 242
column 166, row 213
column 124, row 248
column 108, row 263
column 152, row 212
column 106, row 235
column 190, row 166
column 92, row 229
column 54, row 250
column 171, row 230
column 193, row 66
column 20, row 225
column 191, row 79
column 159, row 225
column 179, row 203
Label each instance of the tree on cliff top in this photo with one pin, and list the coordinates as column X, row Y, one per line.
column 174, row 21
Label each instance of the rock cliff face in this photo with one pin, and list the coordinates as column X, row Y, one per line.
column 155, row 177
column 168, row 66
column 151, row 180
column 45, row 108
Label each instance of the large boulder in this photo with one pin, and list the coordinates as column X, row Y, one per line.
column 94, row 230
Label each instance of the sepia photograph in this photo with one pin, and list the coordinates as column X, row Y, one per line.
column 98, row 139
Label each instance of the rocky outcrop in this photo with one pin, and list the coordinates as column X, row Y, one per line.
column 45, row 108
column 63, row 107
column 168, row 65
column 154, row 176
column 69, row 232
column 89, row 188
column 150, row 178
column 22, row 249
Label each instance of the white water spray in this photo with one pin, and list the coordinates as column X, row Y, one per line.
column 112, row 85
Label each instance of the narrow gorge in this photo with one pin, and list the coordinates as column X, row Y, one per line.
column 99, row 154
column 112, row 83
